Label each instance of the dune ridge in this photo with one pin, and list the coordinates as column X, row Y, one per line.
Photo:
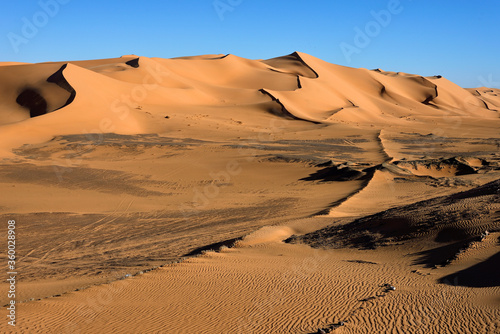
column 302, row 86
column 59, row 79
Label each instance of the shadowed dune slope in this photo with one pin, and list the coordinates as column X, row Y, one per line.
column 31, row 90
column 456, row 218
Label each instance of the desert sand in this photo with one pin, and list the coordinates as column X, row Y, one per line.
column 218, row 194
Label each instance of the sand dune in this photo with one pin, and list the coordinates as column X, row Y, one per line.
column 28, row 92
column 301, row 87
column 218, row 194
column 462, row 217
column 489, row 96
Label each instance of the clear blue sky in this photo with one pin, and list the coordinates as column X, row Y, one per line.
column 457, row 39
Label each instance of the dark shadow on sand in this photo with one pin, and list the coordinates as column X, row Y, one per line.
column 482, row 275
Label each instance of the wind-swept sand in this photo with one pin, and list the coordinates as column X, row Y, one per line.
column 217, row 194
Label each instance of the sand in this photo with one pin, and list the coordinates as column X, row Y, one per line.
column 218, row 194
